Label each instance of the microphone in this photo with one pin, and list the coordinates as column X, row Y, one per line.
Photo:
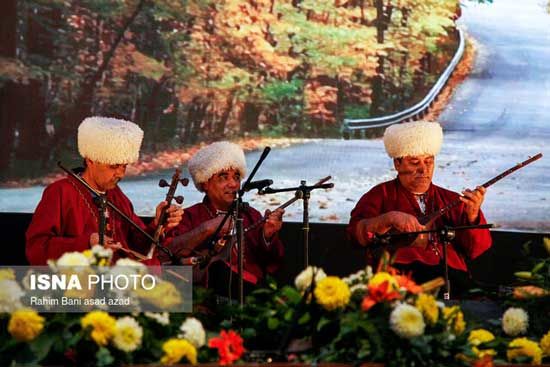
column 260, row 184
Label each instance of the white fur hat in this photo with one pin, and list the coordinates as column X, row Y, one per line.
column 109, row 140
column 413, row 139
column 214, row 158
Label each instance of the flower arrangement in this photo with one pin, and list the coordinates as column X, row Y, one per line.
column 368, row 316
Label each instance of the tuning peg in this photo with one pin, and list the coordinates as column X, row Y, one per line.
column 184, row 181
column 179, row 199
column 163, row 183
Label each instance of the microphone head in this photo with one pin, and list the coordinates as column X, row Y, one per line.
column 259, row 185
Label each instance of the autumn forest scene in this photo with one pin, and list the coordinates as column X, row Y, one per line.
column 197, row 71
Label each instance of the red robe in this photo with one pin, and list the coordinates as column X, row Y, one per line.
column 259, row 257
column 391, row 195
column 66, row 217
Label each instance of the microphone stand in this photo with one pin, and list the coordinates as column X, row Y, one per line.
column 305, row 194
column 102, row 202
column 446, row 235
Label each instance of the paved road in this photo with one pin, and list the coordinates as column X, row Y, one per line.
column 497, row 117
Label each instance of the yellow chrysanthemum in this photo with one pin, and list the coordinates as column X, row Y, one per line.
column 128, row 334
column 175, row 349
column 25, row 324
column 164, row 295
column 7, row 274
column 428, row 306
column 545, row 344
column 407, row 321
column 523, row 347
column 382, row 277
column 480, row 336
column 103, row 326
column 332, row 293
column 455, row 319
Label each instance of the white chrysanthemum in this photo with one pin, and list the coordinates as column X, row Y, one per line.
column 304, row 279
column 193, row 332
column 515, row 321
column 407, row 321
column 128, row 334
column 128, row 267
column 101, row 252
column 358, row 281
column 358, row 287
column 162, row 318
column 73, row 259
column 129, row 262
column 10, row 294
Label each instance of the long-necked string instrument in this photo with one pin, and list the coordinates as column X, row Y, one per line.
column 428, row 219
column 170, row 195
column 438, row 213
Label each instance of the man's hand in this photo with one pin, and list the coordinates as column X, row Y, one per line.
column 174, row 215
column 108, row 242
column 273, row 223
column 472, row 202
column 403, row 222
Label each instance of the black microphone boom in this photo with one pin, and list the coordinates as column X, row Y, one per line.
column 259, row 185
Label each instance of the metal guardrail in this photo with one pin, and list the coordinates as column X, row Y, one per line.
column 351, row 125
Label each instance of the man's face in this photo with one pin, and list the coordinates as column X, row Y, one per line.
column 222, row 187
column 415, row 173
column 104, row 176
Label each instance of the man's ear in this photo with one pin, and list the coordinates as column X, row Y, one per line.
column 396, row 163
column 204, row 187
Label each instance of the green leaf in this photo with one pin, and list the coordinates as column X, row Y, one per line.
column 41, row 346
column 104, row 357
column 322, row 323
column 291, row 294
column 304, row 319
column 248, row 333
column 272, row 323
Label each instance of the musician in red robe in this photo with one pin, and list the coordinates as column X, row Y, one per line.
column 66, row 219
column 396, row 205
column 217, row 170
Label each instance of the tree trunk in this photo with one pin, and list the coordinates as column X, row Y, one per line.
column 32, row 123
column 220, row 127
column 195, row 116
column 378, row 81
column 33, row 138
column 251, row 114
column 8, row 110
column 151, row 116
